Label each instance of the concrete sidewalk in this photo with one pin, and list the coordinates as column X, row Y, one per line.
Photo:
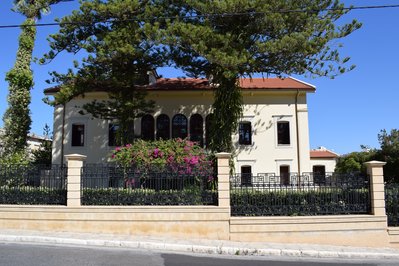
column 197, row 245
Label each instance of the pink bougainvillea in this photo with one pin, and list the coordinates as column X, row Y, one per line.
column 178, row 156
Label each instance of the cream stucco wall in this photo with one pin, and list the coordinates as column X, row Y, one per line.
column 329, row 163
column 262, row 108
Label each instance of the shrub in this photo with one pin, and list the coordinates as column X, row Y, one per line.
column 176, row 155
column 294, row 203
column 139, row 197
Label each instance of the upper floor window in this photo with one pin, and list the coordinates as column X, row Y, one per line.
column 147, row 127
column 179, row 126
column 245, row 133
column 283, row 133
column 197, row 129
column 112, row 135
column 163, row 127
column 78, row 135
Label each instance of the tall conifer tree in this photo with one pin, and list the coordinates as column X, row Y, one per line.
column 223, row 39
column 17, row 119
column 121, row 54
column 228, row 39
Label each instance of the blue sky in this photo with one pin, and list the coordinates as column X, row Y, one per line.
column 344, row 113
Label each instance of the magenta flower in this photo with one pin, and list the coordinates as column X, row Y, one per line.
column 194, row 160
column 156, row 152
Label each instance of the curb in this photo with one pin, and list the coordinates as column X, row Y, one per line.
column 200, row 249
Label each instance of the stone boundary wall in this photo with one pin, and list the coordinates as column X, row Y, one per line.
column 206, row 222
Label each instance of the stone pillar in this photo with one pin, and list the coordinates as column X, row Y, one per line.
column 223, row 178
column 75, row 164
column 376, row 173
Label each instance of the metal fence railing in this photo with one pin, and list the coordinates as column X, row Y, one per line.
column 392, row 203
column 33, row 184
column 114, row 185
column 308, row 194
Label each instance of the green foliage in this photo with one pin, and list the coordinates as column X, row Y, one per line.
column 176, row 155
column 32, row 196
column 354, row 162
column 389, row 153
column 120, row 57
column 229, row 39
column 123, row 106
column 17, row 119
column 16, row 158
column 223, row 40
column 294, row 203
column 392, row 203
column 190, row 196
column 43, row 154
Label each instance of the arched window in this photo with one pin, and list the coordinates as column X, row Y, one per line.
column 163, row 127
column 147, row 127
column 208, row 122
column 197, row 129
column 179, row 126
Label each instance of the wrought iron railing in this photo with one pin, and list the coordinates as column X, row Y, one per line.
column 392, row 203
column 33, row 184
column 308, row 194
column 115, row 185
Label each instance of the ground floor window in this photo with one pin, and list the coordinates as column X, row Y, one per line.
column 284, row 175
column 163, row 127
column 147, row 127
column 319, row 174
column 112, row 135
column 197, row 129
column 246, row 175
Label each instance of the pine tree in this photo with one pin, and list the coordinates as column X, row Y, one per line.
column 17, row 119
column 120, row 56
column 229, row 39
column 224, row 40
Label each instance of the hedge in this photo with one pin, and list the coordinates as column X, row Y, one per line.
column 32, row 196
column 139, row 197
column 295, row 203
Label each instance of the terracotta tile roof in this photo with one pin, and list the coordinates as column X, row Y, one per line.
column 322, row 154
column 274, row 83
column 173, row 84
column 180, row 84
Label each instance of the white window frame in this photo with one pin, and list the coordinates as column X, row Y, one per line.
column 283, row 118
column 84, row 122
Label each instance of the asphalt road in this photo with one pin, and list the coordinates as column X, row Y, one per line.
column 34, row 254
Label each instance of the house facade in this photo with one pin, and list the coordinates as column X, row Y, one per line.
column 323, row 161
column 273, row 133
